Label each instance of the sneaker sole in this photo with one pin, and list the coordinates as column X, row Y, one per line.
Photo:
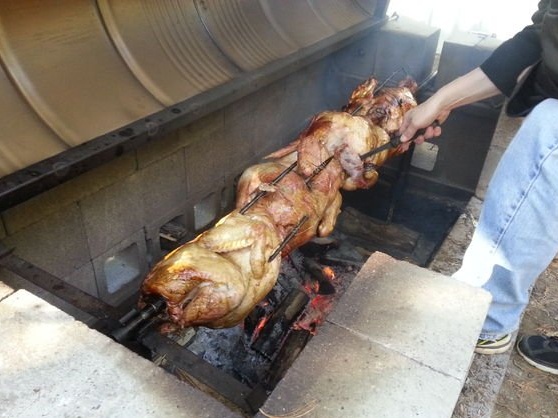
column 493, row 350
column 538, row 365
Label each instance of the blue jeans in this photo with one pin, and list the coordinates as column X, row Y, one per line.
column 517, row 234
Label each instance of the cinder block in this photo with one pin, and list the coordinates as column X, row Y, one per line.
column 84, row 278
column 113, row 214
column 342, row 373
column 78, row 188
column 57, row 243
column 152, row 229
column 164, row 186
column 462, row 53
column 208, row 160
column 403, row 41
column 207, row 210
column 54, row 366
column 121, row 269
column 162, row 146
column 409, row 309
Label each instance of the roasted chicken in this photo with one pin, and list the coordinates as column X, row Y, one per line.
column 385, row 108
column 216, row 279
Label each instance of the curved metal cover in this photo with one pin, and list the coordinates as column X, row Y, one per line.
column 297, row 20
column 58, row 55
column 340, row 14
column 243, row 32
column 22, row 132
column 76, row 70
column 166, row 46
column 369, row 6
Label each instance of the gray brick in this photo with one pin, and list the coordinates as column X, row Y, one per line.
column 51, row 201
column 133, row 264
column 163, row 145
column 57, row 243
column 113, row 214
column 84, row 278
column 70, row 370
column 152, row 230
column 342, row 374
column 410, row 310
column 207, row 163
column 164, row 186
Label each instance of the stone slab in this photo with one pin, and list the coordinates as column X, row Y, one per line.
column 54, row 366
column 412, row 310
column 398, row 344
column 342, row 374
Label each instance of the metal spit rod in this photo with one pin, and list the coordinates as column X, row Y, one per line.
column 381, row 86
column 133, row 319
column 262, row 193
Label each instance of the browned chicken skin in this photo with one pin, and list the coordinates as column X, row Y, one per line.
column 386, row 108
column 216, row 279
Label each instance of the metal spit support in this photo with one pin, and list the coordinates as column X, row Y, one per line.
column 135, row 319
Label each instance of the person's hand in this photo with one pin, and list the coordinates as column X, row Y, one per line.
column 422, row 116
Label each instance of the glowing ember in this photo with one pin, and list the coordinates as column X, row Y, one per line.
column 329, row 273
column 259, row 327
column 315, row 313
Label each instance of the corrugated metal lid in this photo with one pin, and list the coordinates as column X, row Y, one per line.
column 77, row 70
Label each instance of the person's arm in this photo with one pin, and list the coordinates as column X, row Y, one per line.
column 499, row 73
column 470, row 88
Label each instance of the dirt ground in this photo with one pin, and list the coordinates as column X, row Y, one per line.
column 527, row 392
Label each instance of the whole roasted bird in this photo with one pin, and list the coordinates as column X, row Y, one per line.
column 216, row 279
column 386, row 107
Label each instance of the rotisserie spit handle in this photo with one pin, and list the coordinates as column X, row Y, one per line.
column 396, row 141
column 134, row 319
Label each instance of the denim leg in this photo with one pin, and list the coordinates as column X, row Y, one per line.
column 517, row 234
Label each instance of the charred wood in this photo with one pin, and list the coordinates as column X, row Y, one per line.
column 273, row 332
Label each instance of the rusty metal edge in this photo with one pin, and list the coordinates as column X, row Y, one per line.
column 24, row 184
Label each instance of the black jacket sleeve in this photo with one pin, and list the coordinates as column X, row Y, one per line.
column 506, row 63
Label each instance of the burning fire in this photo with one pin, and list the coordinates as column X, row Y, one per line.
column 329, row 273
column 320, row 305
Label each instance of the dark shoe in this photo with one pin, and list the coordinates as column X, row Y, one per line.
column 540, row 351
column 493, row 346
